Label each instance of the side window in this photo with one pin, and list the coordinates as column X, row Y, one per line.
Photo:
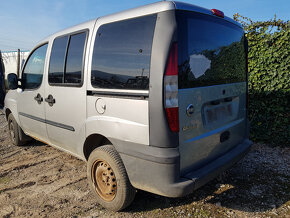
column 66, row 60
column 34, row 68
column 74, row 60
column 57, row 59
column 122, row 52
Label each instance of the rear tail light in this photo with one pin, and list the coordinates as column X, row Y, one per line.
column 218, row 13
column 171, row 90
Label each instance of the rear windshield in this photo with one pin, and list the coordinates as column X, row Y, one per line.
column 210, row 51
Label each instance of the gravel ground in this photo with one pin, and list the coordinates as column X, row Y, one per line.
column 39, row 181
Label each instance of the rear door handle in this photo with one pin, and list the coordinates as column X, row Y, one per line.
column 38, row 98
column 50, row 100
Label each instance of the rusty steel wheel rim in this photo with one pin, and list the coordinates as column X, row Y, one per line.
column 104, row 180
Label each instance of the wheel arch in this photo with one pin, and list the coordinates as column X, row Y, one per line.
column 94, row 141
column 7, row 112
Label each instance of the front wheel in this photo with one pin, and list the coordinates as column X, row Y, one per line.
column 108, row 178
column 14, row 131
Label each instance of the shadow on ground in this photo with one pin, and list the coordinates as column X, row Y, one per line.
column 257, row 190
column 33, row 143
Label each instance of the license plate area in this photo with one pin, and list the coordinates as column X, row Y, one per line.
column 221, row 113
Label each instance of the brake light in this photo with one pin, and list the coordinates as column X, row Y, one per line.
column 218, row 13
column 171, row 90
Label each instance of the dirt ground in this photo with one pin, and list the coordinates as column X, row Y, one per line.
column 39, row 181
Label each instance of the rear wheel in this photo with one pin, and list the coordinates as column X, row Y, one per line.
column 14, row 131
column 108, row 178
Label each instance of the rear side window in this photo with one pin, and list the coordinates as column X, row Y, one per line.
column 210, row 51
column 66, row 61
column 57, row 60
column 74, row 61
column 122, row 52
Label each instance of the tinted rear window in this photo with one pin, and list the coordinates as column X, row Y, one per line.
column 74, row 60
column 122, row 53
column 210, row 51
column 57, row 60
column 66, row 60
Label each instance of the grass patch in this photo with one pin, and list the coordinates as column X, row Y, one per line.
column 4, row 180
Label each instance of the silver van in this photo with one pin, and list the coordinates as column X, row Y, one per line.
column 153, row 98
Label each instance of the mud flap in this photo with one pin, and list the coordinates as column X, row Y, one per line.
column 22, row 136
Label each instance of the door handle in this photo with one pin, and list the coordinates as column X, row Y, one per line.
column 38, row 98
column 50, row 100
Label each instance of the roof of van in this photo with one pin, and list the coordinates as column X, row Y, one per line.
column 139, row 11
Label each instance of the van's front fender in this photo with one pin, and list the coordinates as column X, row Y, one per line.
column 10, row 103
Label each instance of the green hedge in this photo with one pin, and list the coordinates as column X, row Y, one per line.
column 269, row 79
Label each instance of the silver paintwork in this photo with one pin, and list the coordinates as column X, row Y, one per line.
column 202, row 140
column 160, row 134
column 130, row 124
column 190, row 7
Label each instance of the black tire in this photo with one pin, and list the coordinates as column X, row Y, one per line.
column 105, row 161
column 14, row 131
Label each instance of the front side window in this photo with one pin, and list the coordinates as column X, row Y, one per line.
column 66, row 60
column 34, row 68
column 122, row 52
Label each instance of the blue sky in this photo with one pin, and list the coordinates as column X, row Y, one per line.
column 25, row 22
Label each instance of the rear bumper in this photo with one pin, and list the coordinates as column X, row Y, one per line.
column 164, row 178
column 214, row 168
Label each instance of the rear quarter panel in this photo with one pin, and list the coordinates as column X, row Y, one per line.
column 123, row 119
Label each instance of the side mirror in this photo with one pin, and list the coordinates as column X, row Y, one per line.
column 12, row 80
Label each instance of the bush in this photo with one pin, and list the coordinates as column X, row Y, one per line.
column 269, row 79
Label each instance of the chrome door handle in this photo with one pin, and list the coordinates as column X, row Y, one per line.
column 50, row 100
column 38, row 98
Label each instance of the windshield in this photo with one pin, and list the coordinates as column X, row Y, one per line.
column 210, row 51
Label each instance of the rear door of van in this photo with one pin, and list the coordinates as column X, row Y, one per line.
column 212, row 87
